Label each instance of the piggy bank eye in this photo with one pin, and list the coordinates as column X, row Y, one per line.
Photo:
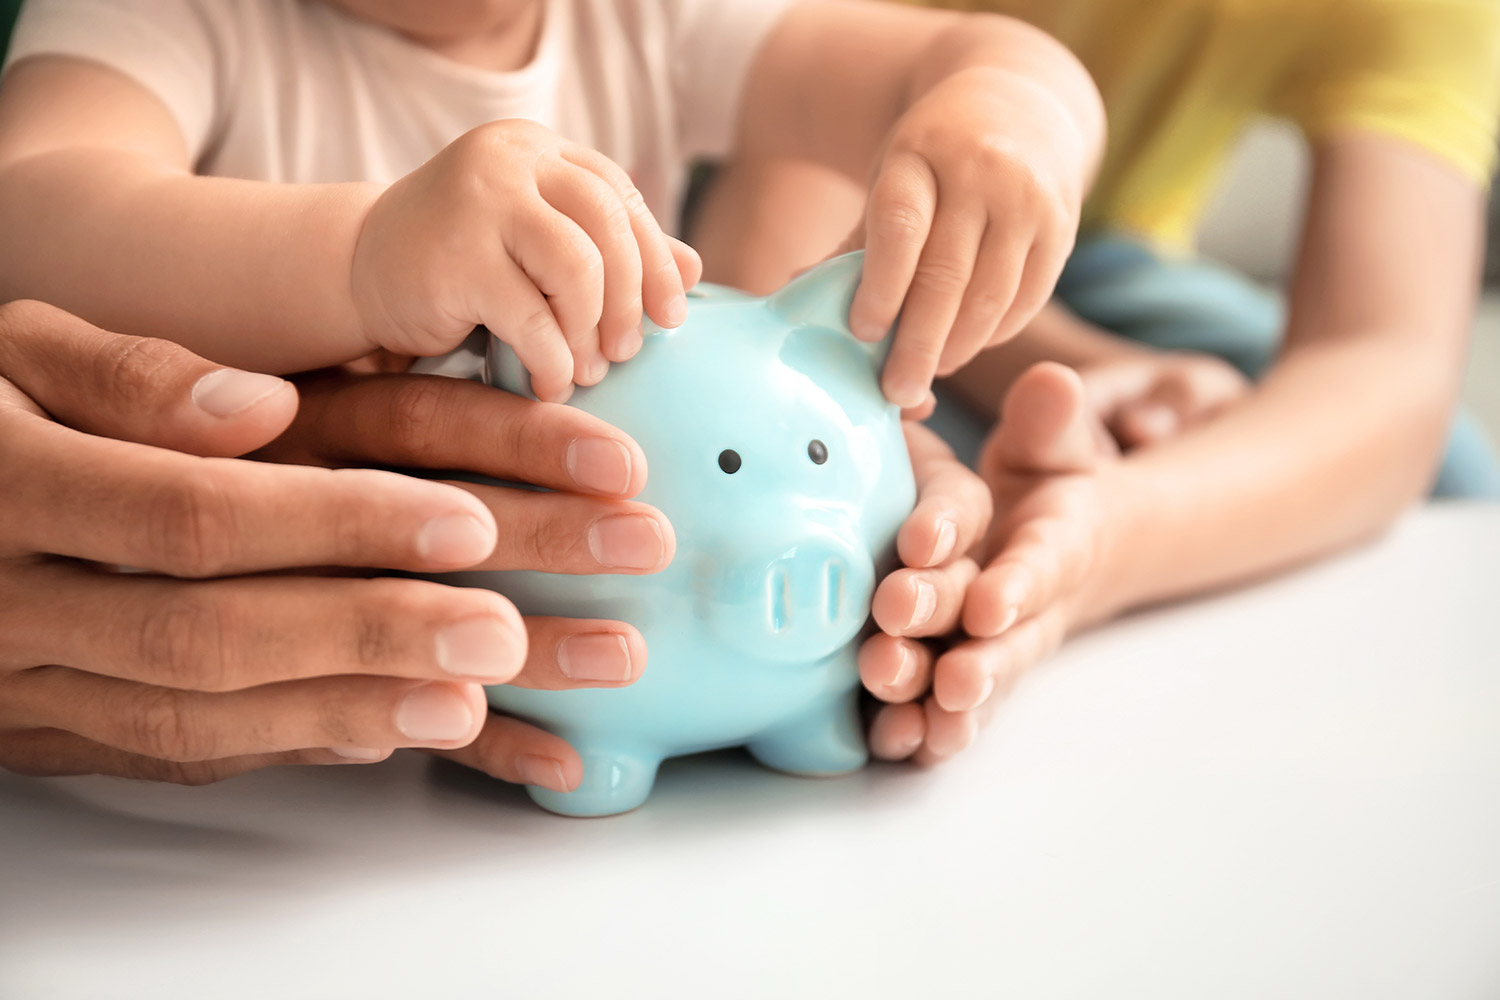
column 817, row 451
column 729, row 461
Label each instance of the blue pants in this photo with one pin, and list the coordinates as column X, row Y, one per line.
column 1194, row 305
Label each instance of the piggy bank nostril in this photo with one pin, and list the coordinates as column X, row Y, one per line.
column 778, row 599
column 833, row 588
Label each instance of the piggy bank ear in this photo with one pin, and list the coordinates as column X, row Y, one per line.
column 821, row 297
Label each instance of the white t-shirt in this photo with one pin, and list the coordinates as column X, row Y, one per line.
column 300, row 91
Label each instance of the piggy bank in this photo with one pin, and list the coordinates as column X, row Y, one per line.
column 785, row 475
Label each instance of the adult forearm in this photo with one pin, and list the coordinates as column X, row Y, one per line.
column 211, row 263
column 1340, row 438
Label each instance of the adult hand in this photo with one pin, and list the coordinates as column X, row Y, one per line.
column 920, row 603
column 581, row 523
column 114, row 452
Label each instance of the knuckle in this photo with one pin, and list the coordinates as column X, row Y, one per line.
column 538, row 326
column 898, row 220
column 130, row 368
column 189, row 524
column 161, row 728
column 413, row 418
column 185, row 643
column 943, row 274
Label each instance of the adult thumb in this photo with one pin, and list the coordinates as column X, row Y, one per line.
column 138, row 388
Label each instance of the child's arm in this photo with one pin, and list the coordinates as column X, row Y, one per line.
column 978, row 135
column 104, row 217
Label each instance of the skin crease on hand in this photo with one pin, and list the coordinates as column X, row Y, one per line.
column 180, row 679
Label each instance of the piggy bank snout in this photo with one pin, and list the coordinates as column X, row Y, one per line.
column 814, row 597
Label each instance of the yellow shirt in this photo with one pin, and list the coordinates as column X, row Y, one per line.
column 1182, row 78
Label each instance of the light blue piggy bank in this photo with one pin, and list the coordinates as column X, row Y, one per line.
column 785, row 475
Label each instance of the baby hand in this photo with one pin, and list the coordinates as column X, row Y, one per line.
column 971, row 215
column 545, row 242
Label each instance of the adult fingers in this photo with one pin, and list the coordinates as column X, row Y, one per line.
column 228, row 635
column 894, row 670
column 1047, row 425
column 664, row 281
column 92, row 498
column 365, row 713
column 519, row 752
column 943, row 276
column 896, row 732
column 558, row 533
column 580, row 652
column 1041, row 560
column 56, row 753
column 137, row 388
column 948, row 733
column 973, row 673
column 897, row 222
column 923, row 602
column 953, row 508
column 426, row 421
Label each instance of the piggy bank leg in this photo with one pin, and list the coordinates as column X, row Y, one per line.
column 827, row 740
column 614, row 781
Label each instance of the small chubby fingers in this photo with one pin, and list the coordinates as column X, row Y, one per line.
column 954, row 506
column 998, row 268
column 923, row 602
column 53, row 753
column 663, row 282
column 581, row 652
column 943, row 276
column 898, row 220
column 517, row 307
column 894, row 670
column 598, row 208
column 375, row 713
column 519, row 752
column 896, row 731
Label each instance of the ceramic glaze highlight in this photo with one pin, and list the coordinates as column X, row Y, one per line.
column 785, row 475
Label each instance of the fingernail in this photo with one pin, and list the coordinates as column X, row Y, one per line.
column 358, row 753
column 478, row 647
column 866, row 330
column 434, row 713
column 947, row 537
column 544, row 772
column 905, row 669
column 455, row 539
column 675, row 311
column 987, row 689
column 600, row 657
column 626, row 541
column 924, row 605
column 905, row 393
column 228, row 391
column 1012, row 596
column 597, row 369
column 599, row 464
column 631, row 345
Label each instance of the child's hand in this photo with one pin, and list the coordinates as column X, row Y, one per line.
column 545, row 242
column 971, row 215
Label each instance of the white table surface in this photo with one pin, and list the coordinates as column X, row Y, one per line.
column 1290, row 791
